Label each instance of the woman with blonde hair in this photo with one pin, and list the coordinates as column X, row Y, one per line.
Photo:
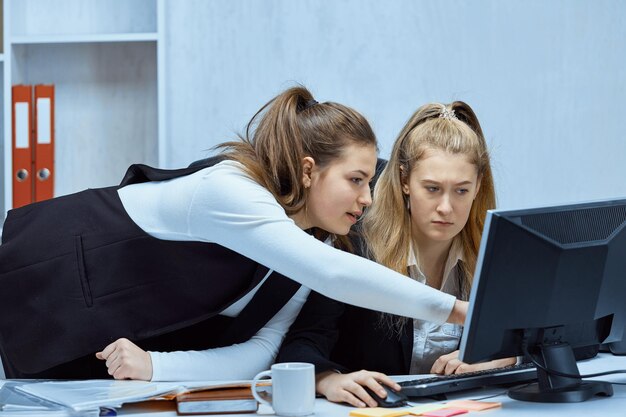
column 426, row 222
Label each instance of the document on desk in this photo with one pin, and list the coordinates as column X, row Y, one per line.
column 14, row 403
column 90, row 394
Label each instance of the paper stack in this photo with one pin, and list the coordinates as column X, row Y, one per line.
column 85, row 398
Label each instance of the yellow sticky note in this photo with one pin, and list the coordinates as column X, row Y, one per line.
column 474, row 405
column 420, row 409
column 378, row 412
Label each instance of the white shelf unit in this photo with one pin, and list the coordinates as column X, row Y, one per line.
column 85, row 38
column 105, row 59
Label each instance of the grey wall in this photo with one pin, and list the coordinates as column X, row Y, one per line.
column 546, row 78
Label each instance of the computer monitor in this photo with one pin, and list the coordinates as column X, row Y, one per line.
column 548, row 280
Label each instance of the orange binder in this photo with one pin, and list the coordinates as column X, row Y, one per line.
column 22, row 145
column 43, row 178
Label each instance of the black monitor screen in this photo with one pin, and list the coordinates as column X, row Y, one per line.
column 548, row 280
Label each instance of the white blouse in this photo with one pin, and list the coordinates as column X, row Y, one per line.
column 432, row 340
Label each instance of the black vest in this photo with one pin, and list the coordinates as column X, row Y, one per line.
column 76, row 273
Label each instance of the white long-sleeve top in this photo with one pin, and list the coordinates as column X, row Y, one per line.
column 222, row 204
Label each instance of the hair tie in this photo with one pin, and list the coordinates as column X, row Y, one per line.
column 304, row 105
column 448, row 114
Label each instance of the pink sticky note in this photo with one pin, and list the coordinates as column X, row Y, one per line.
column 446, row 412
column 474, row 405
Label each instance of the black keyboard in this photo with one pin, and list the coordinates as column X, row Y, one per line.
column 509, row 375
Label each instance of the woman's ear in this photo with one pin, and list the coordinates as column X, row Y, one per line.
column 308, row 164
column 404, row 180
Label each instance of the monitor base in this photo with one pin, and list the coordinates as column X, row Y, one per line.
column 572, row 394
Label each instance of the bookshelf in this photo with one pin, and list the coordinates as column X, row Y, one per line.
column 105, row 58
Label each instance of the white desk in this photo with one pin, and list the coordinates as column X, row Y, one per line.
column 605, row 407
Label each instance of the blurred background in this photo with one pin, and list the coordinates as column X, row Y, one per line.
column 163, row 81
column 547, row 79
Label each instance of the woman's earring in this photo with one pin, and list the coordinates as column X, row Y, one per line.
column 408, row 203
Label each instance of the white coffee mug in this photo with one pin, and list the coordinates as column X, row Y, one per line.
column 293, row 388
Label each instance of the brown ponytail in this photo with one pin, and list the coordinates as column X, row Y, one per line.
column 289, row 128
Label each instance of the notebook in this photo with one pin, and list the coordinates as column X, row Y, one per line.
column 217, row 401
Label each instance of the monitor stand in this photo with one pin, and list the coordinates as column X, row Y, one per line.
column 552, row 388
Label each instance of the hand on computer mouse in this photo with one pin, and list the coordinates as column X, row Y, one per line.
column 349, row 388
column 393, row 398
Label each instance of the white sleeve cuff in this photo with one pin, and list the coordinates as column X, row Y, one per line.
column 442, row 311
column 155, row 358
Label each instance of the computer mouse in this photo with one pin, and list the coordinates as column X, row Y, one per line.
column 393, row 399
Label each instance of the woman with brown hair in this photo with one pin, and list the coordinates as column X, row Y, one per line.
column 426, row 222
column 208, row 257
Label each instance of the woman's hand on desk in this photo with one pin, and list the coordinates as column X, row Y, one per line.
column 348, row 388
column 126, row 360
column 451, row 364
